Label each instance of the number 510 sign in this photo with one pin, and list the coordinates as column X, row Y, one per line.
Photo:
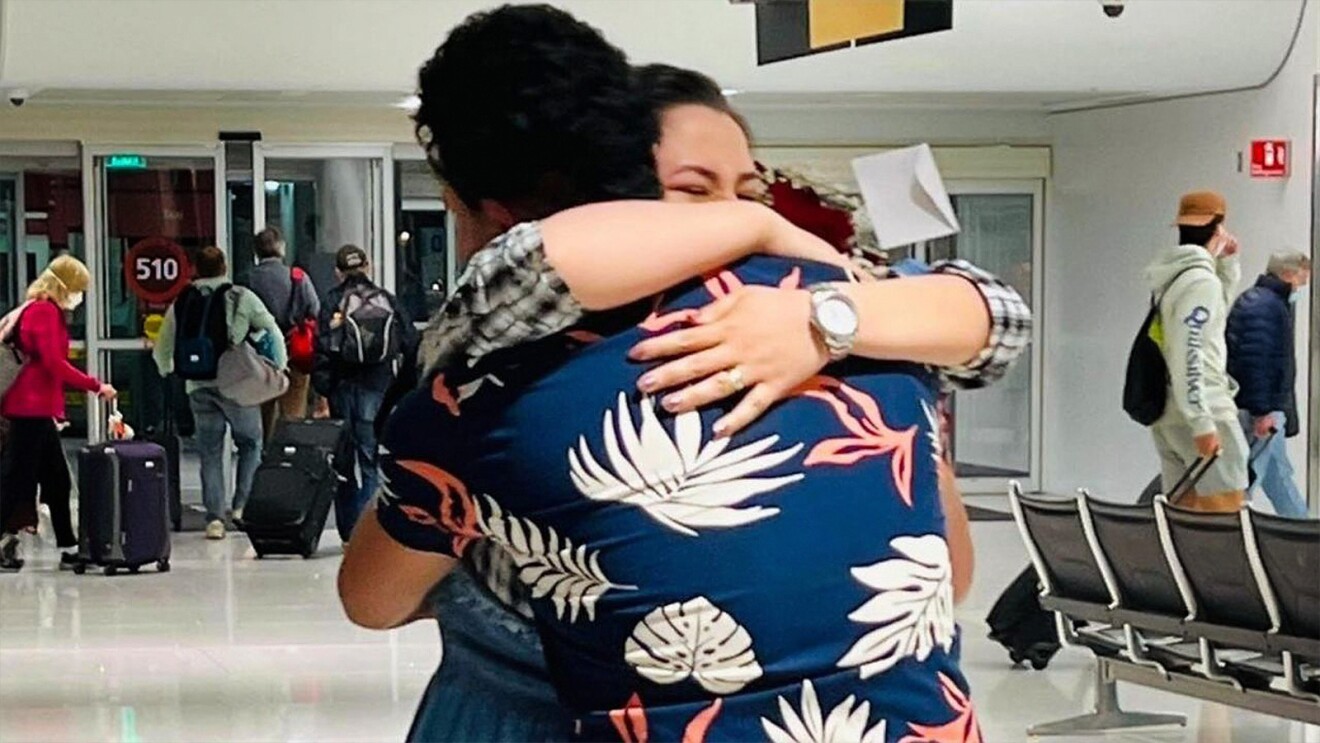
column 156, row 269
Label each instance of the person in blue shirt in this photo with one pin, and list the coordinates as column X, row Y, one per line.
column 428, row 503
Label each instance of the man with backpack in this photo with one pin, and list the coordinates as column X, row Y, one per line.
column 364, row 338
column 206, row 319
column 290, row 296
column 1192, row 285
column 1261, row 358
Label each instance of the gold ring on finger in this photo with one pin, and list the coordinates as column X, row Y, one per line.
column 733, row 380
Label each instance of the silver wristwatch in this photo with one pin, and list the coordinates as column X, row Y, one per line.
column 834, row 317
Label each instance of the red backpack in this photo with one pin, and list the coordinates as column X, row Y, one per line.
column 300, row 338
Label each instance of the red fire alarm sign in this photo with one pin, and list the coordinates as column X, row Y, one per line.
column 1270, row 158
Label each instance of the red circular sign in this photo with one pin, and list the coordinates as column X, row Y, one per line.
column 156, row 269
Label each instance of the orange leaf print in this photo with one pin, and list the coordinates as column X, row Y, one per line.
column 656, row 322
column 871, row 436
column 584, row 336
column 963, row 728
column 419, row 516
column 456, row 514
column 631, row 724
column 631, row 721
column 695, row 732
column 441, row 394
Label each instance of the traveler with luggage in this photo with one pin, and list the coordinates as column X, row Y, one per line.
column 209, row 318
column 290, row 296
column 1261, row 358
column 1192, row 285
column 37, row 335
column 364, row 338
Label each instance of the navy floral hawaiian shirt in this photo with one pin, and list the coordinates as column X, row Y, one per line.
column 789, row 584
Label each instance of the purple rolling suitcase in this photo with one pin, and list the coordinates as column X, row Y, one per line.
column 123, row 507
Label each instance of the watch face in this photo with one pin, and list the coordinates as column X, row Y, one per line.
column 836, row 317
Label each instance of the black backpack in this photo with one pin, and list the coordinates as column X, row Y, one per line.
column 201, row 333
column 1146, row 389
column 368, row 331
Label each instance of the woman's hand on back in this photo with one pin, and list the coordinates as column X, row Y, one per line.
column 756, row 338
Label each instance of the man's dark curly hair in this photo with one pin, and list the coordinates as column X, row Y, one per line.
column 665, row 86
column 531, row 108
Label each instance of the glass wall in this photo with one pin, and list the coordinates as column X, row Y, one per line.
column 321, row 204
column 992, row 428
column 423, row 249
column 41, row 217
column 9, row 252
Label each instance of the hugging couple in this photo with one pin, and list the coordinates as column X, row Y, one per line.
column 674, row 469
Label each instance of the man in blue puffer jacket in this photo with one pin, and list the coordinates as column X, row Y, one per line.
column 1261, row 358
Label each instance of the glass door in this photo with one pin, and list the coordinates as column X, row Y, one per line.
column 41, row 218
column 152, row 210
column 323, row 197
column 424, row 246
column 995, row 433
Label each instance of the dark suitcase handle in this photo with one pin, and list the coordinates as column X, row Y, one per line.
column 1190, row 478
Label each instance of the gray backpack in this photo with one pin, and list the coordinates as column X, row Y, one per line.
column 368, row 332
column 12, row 357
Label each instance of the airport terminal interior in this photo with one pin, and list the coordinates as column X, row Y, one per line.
column 1056, row 144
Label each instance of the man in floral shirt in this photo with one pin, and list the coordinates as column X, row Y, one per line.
column 791, row 582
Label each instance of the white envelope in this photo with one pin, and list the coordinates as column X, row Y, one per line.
column 905, row 196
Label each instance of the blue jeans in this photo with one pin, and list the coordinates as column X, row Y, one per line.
column 357, row 407
column 213, row 413
column 1274, row 473
column 492, row 684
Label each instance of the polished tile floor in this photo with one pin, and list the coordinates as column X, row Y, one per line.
column 226, row 648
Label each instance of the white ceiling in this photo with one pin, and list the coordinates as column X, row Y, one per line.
column 1040, row 51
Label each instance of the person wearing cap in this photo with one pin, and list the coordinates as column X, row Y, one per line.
column 33, row 455
column 1261, row 358
column 355, row 389
column 1193, row 283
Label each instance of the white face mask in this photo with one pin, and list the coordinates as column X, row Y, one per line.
column 74, row 301
column 1292, row 298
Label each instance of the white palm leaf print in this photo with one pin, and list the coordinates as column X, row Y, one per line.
column 846, row 723
column 933, row 435
column 679, row 481
column 694, row 639
column 548, row 563
column 913, row 606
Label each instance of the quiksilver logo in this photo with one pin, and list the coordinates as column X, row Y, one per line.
column 1195, row 322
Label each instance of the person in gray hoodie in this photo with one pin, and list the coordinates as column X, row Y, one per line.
column 1194, row 284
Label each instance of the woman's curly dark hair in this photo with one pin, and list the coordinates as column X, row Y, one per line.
column 530, row 107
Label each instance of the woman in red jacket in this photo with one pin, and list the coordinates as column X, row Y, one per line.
column 34, row 404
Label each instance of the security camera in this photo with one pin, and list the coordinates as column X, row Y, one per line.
column 18, row 96
column 1113, row 8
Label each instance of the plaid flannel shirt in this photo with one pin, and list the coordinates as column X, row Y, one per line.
column 509, row 294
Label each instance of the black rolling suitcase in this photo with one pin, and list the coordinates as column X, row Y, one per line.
column 295, row 487
column 123, row 507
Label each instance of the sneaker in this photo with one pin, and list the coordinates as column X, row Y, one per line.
column 69, row 560
column 238, row 516
column 9, row 559
column 215, row 530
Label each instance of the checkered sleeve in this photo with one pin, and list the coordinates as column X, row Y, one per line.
column 508, row 294
column 1010, row 328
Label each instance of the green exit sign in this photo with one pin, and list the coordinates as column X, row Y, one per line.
column 126, row 162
